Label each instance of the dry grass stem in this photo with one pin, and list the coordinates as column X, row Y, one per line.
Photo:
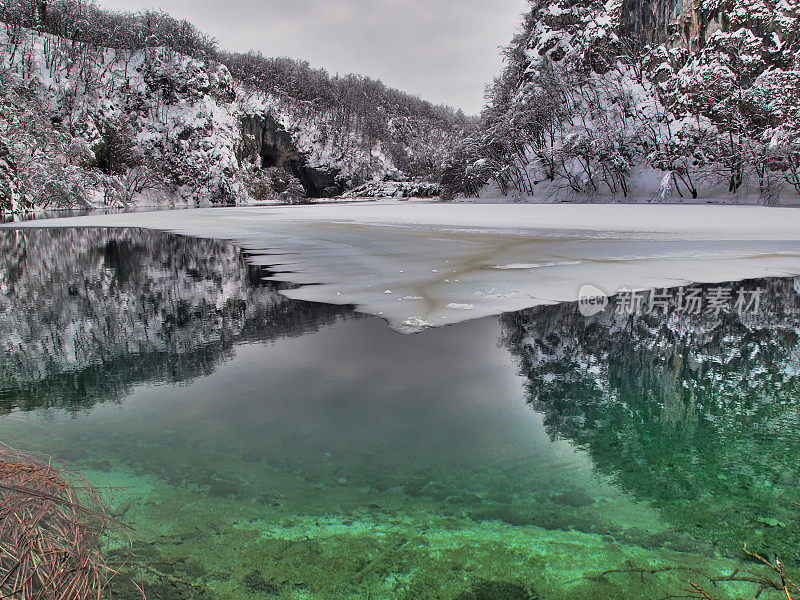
column 52, row 527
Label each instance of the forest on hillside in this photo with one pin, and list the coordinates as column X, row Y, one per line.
column 118, row 90
column 627, row 101
column 655, row 99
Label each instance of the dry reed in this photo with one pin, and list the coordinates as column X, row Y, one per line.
column 52, row 527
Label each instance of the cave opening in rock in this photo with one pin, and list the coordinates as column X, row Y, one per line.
column 267, row 141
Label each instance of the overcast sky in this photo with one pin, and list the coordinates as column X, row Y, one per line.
column 445, row 51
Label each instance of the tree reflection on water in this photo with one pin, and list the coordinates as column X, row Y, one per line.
column 695, row 413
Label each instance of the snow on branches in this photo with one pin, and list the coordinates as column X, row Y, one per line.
column 657, row 99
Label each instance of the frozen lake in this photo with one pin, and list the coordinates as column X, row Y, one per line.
column 419, row 265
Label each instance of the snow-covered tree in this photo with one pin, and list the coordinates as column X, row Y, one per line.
column 10, row 198
column 604, row 98
column 162, row 109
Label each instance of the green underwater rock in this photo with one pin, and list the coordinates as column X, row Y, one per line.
column 496, row 590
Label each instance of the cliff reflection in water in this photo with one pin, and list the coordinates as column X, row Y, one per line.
column 696, row 413
column 87, row 314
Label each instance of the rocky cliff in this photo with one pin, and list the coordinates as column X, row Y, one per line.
column 649, row 21
column 269, row 146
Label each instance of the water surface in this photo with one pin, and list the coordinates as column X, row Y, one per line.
column 263, row 447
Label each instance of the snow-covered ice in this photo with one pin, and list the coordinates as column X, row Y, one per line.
column 426, row 264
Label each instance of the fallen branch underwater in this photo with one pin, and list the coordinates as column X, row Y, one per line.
column 698, row 592
column 763, row 581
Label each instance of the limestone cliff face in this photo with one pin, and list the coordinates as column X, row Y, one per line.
column 649, row 21
column 157, row 125
column 678, row 23
column 661, row 100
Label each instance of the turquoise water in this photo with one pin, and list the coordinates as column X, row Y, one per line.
column 267, row 448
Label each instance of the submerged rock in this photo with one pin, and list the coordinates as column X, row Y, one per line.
column 496, row 590
column 256, row 582
column 574, row 498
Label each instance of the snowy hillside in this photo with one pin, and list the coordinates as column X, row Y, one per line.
column 107, row 109
column 654, row 100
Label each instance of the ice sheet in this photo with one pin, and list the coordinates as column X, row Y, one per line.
column 420, row 265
